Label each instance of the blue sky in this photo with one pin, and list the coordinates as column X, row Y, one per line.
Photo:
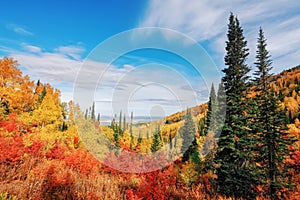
column 53, row 39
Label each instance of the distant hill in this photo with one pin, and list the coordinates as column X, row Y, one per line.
column 286, row 84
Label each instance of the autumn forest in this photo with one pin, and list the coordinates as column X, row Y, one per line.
column 242, row 144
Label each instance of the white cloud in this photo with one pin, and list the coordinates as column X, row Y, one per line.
column 206, row 20
column 19, row 29
column 6, row 49
column 31, row 48
column 72, row 51
column 199, row 19
column 48, row 66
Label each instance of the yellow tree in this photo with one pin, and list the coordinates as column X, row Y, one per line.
column 49, row 112
column 16, row 91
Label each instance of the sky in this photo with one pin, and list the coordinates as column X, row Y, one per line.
column 63, row 43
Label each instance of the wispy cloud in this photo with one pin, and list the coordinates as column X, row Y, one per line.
column 206, row 21
column 19, row 29
column 74, row 52
column 49, row 66
column 31, row 48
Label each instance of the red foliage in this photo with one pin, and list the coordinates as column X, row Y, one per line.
column 59, row 176
column 93, row 196
column 12, row 125
column 81, row 161
column 36, row 149
column 236, row 138
column 295, row 154
column 11, row 149
column 76, row 141
column 56, row 152
column 295, row 161
column 130, row 162
column 155, row 185
column 130, row 195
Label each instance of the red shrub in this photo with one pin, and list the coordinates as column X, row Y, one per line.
column 59, row 176
column 11, row 149
column 36, row 149
column 81, row 161
column 56, row 152
column 154, row 185
column 92, row 196
column 12, row 125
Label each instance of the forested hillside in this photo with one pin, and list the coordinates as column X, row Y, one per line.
column 255, row 155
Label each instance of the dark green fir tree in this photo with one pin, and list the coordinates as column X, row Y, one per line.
column 157, row 140
column 270, row 124
column 189, row 146
column 211, row 116
column 221, row 111
column 234, row 160
column 93, row 115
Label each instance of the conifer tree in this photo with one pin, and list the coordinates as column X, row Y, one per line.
column 98, row 118
column 93, row 115
column 170, row 144
column 270, row 124
column 140, row 139
column 131, row 141
column 211, row 120
column 120, row 120
column 189, row 146
column 157, row 140
column 120, row 125
column 86, row 114
column 221, row 111
column 201, row 126
column 42, row 95
column 236, row 174
column 113, row 124
column 124, row 122
column 131, row 132
column 117, row 139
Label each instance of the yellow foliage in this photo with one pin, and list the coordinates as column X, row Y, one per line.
column 48, row 113
column 16, row 91
column 93, row 139
column 291, row 105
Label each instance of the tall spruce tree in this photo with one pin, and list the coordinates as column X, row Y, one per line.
column 211, row 120
column 86, row 114
column 140, row 139
column 189, row 146
column 120, row 120
column 120, row 130
column 157, row 140
column 98, row 118
column 202, row 126
column 270, row 124
column 221, row 111
column 234, row 166
column 131, row 132
column 124, row 122
column 263, row 64
column 93, row 115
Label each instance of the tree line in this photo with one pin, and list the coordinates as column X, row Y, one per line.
column 253, row 142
